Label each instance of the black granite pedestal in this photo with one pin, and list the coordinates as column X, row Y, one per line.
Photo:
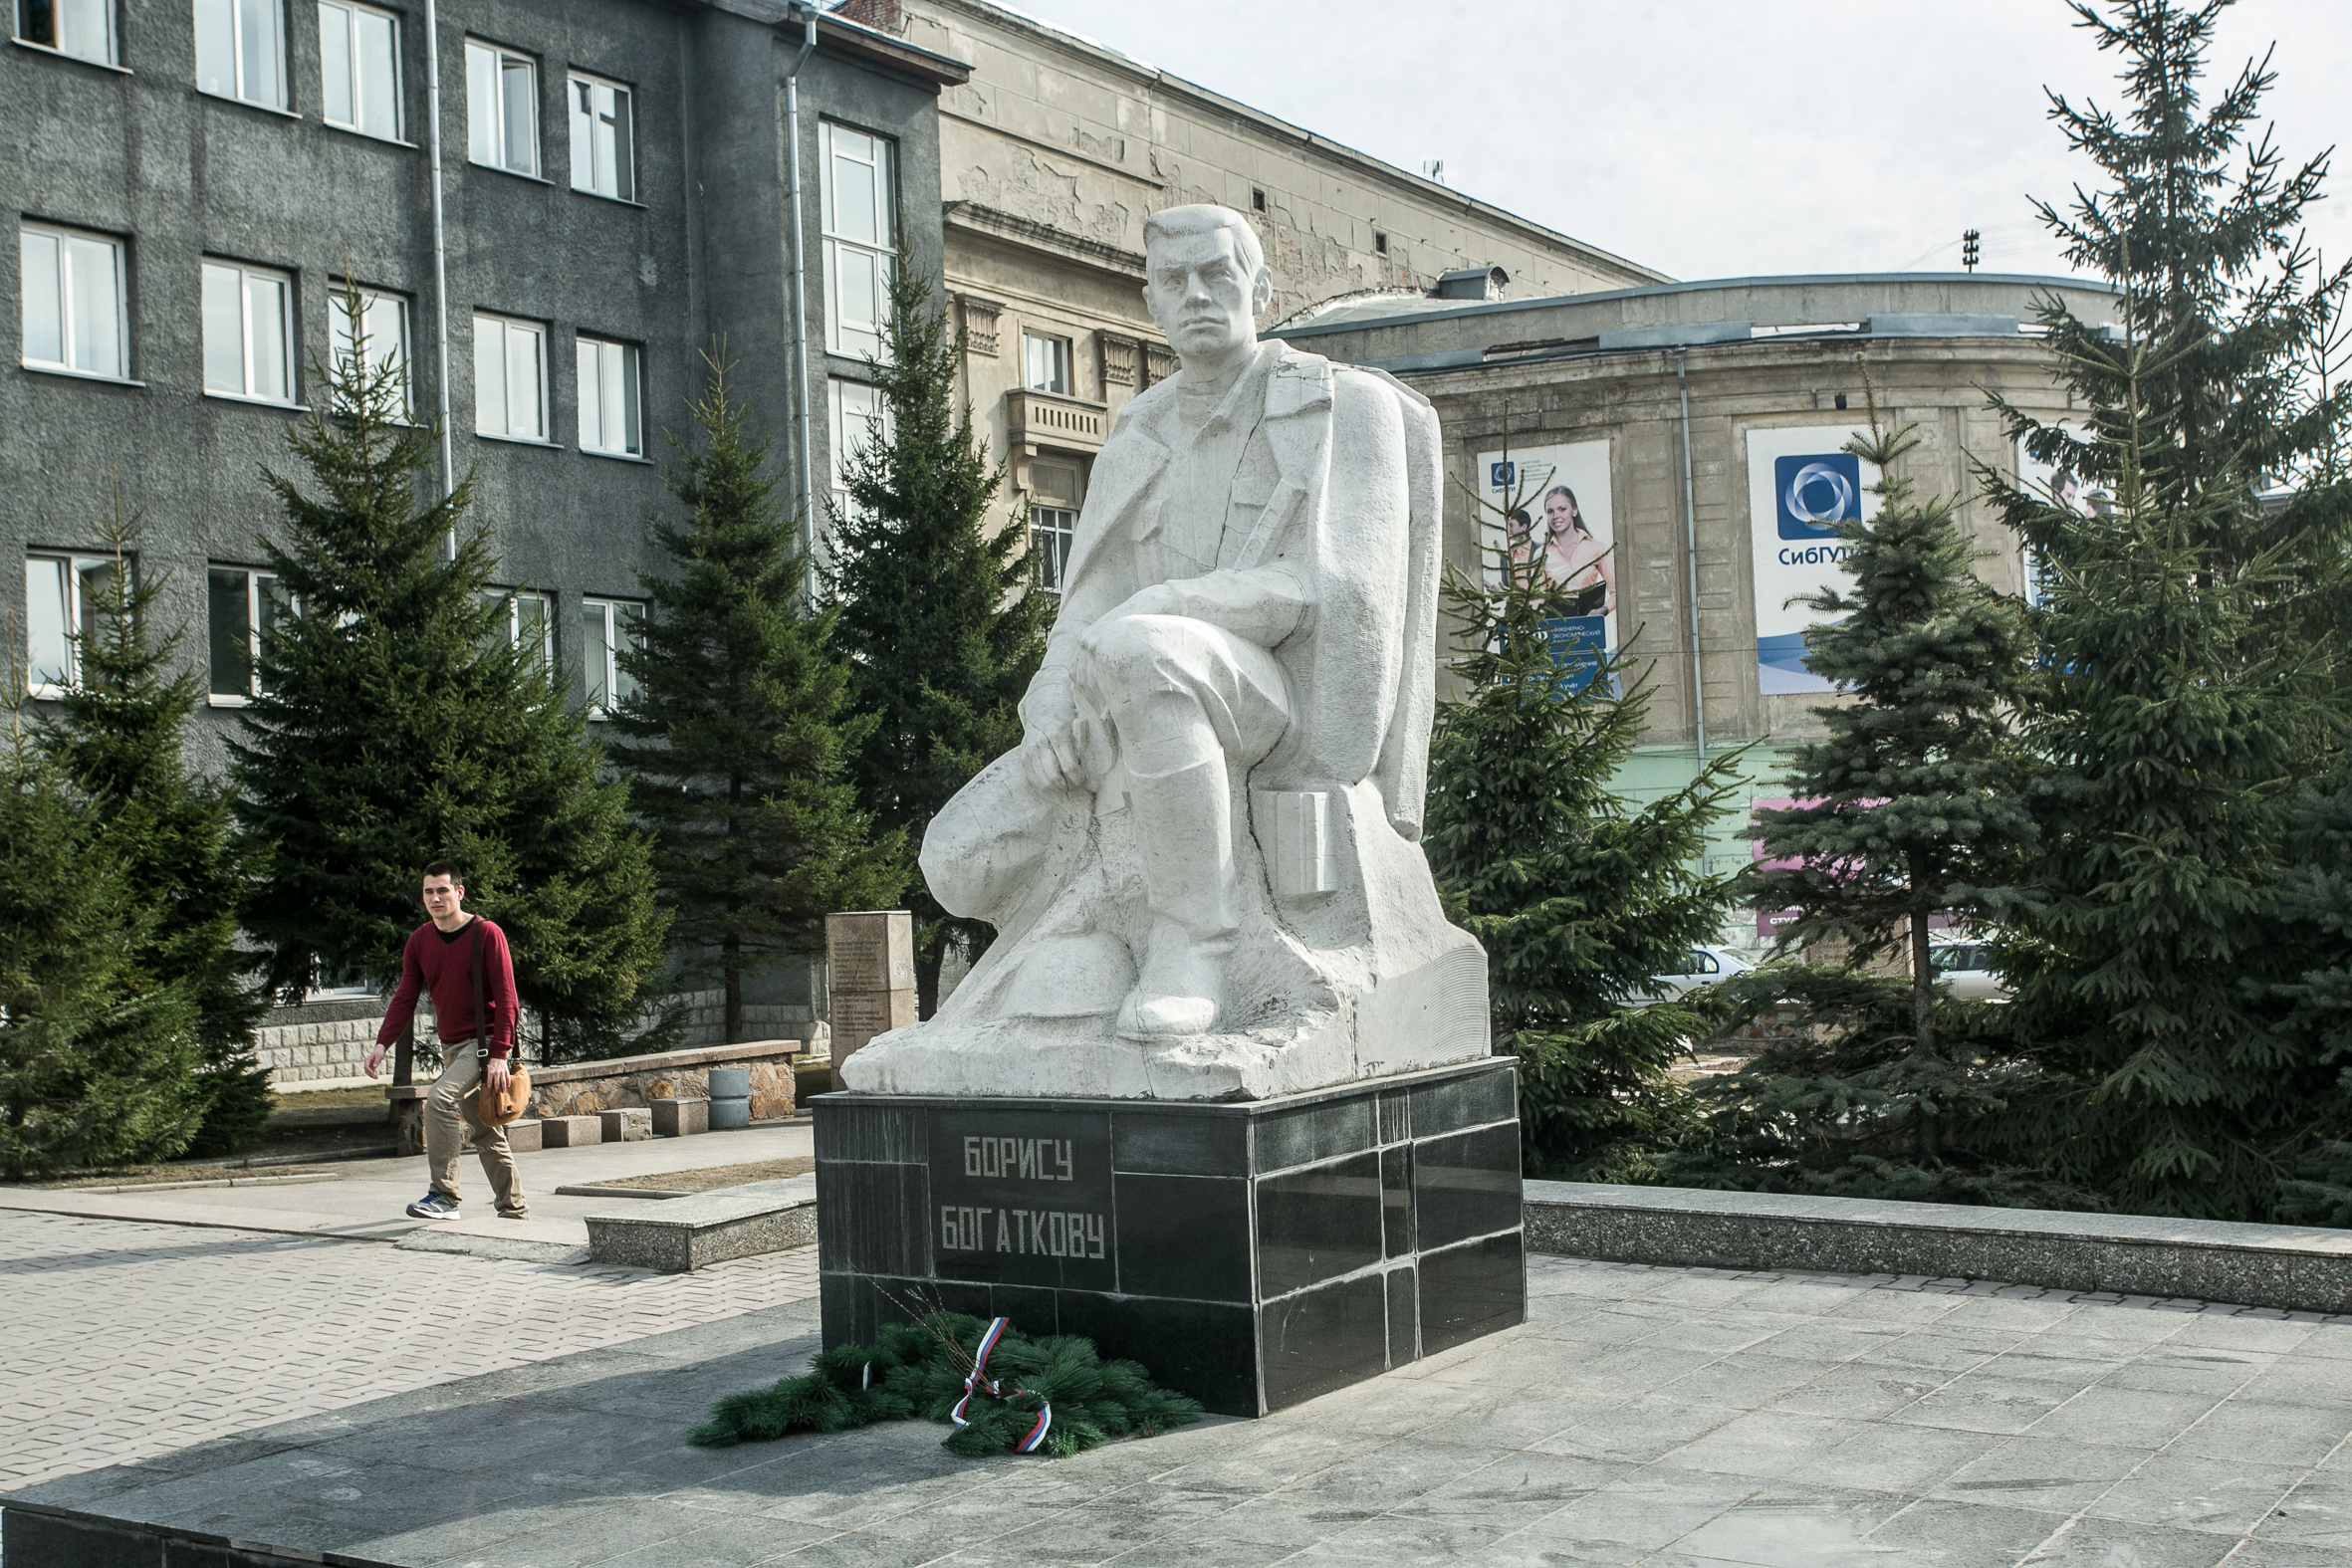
column 1252, row 1255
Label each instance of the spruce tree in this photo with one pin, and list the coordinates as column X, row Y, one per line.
column 942, row 633
column 117, row 738
column 1914, row 807
column 98, row 1055
column 398, row 723
column 2193, row 652
column 1579, row 895
column 737, row 742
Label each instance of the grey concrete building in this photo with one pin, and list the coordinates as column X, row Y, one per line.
column 1678, row 417
column 191, row 182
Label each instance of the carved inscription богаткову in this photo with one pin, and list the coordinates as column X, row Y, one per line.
column 1022, row 1198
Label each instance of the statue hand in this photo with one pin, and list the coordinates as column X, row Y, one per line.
column 1050, row 759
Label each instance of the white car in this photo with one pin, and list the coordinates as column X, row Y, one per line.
column 1702, row 966
column 1967, row 967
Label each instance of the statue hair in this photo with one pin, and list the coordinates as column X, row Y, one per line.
column 1203, row 218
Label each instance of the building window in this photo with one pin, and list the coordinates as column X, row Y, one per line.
column 860, row 418
column 609, row 420
column 603, row 147
column 530, row 624
column 860, row 239
column 241, row 50
column 1257, row 201
column 72, row 298
column 83, row 28
column 608, row 632
column 1380, row 243
column 65, row 597
column 510, row 379
column 1050, row 530
column 248, row 332
column 382, row 332
column 359, row 68
column 243, row 612
column 501, row 109
column 1044, row 364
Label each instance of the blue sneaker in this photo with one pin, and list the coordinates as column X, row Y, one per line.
column 433, row 1206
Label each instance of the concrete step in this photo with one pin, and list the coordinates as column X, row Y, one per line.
column 684, row 1233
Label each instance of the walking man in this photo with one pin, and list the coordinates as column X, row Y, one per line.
column 439, row 958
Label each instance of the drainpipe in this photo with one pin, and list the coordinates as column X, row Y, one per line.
column 1689, row 540
column 802, row 414
column 432, row 100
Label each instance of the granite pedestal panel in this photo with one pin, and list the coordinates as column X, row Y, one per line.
column 1252, row 1255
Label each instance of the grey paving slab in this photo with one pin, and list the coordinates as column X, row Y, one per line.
column 1834, row 1423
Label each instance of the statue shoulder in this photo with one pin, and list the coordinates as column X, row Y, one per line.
column 1368, row 378
column 1143, row 407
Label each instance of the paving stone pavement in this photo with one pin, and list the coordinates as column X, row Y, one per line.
column 1673, row 1417
column 122, row 1340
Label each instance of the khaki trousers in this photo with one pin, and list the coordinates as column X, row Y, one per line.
column 450, row 1124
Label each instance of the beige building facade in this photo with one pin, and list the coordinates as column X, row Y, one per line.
column 1053, row 155
column 1666, row 409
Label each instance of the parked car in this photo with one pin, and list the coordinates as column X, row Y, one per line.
column 1967, row 967
column 1699, row 968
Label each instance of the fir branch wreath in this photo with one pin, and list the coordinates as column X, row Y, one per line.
column 1002, row 1391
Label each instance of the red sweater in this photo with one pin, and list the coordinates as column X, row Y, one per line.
column 445, row 967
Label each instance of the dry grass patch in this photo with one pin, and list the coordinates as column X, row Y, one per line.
column 719, row 1176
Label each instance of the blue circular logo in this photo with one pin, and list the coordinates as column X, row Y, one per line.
column 1811, row 482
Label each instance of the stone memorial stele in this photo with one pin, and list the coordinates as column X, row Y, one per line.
column 1220, row 1094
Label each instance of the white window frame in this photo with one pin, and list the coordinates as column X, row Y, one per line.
column 580, row 91
column 258, row 589
column 481, row 52
column 1062, row 350
column 236, row 13
column 102, row 10
column 394, row 355
column 350, row 11
column 1052, row 531
column 601, row 622
column 247, row 353
column 68, row 307
column 77, row 564
column 507, row 326
column 880, row 154
column 515, row 598
column 853, row 410
column 612, row 377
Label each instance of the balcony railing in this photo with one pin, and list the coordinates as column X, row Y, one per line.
column 1048, row 419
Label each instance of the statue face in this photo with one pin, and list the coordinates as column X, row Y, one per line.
column 1200, row 296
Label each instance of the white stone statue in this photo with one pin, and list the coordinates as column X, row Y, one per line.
column 1203, row 861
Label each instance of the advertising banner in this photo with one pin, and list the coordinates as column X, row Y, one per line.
column 2064, row 488
column 1550, row 505
column 1799, row 488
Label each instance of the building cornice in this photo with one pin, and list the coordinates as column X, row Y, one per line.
column 1151, row 79
column 840, row 35
column 973, row 218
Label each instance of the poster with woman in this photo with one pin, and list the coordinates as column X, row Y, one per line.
column 1548, row 511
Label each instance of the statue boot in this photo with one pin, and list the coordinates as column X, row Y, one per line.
column 1184, row 829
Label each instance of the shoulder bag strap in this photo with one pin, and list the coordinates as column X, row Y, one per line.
column 481, row 1014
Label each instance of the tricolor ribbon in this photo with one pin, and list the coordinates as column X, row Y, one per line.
column 981, row 1383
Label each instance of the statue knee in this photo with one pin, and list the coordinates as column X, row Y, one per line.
column 1128, row 651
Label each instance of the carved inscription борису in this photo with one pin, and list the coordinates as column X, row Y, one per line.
column 1019, row 1200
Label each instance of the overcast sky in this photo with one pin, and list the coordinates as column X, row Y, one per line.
column 1713, row 138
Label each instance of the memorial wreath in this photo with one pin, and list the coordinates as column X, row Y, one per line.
column 1001, row 1390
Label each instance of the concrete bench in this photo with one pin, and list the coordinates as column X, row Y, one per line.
column 683, row 1233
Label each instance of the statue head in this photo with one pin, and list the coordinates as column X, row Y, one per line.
column 1205, row 281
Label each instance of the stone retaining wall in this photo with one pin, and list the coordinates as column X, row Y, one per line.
column 586, row 1088
column 325, row 1040
column 2291, row 1268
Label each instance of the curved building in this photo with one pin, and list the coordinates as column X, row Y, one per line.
column 1675, row 450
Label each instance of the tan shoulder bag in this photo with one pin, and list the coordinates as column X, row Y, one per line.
column 490, row 1108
